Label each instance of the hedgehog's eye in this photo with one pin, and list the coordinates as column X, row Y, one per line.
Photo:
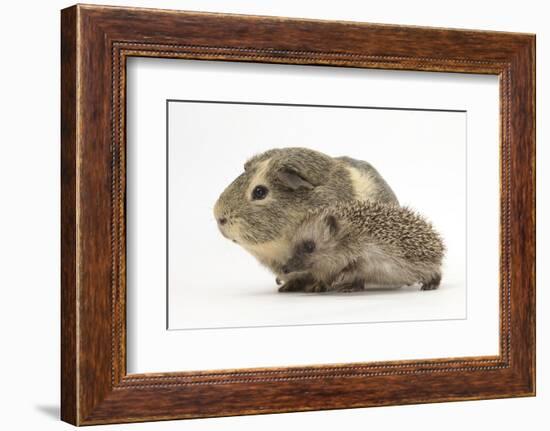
column 259, row 192
column 309, row 246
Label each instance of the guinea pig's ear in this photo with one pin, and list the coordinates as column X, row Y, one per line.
column 293, row 180
column 301, row 167
column 332, row 224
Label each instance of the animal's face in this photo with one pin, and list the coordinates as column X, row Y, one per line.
column 269, row 197
column 302, row 258
column 316, row 247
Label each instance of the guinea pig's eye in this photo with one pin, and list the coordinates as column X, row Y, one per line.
column 259, row 192
column 309, row 246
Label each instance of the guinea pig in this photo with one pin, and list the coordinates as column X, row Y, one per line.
column 261, row 208
column 350, row 245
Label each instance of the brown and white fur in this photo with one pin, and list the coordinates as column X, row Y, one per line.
column 348, row 246
column 292, row 181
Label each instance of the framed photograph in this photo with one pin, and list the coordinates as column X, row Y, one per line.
column 264, row 214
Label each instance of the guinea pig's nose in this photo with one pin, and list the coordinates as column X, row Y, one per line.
column 222, row 220
column 285, row 269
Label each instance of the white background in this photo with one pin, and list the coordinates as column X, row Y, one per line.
column 214, row 283
column 403, row 154
column 29, row 232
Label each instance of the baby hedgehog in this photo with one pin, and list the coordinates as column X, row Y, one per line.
column 352, row 244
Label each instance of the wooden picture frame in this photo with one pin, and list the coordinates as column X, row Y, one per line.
column 95, row 43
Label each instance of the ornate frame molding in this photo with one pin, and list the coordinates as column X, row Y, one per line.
column 96, row 41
